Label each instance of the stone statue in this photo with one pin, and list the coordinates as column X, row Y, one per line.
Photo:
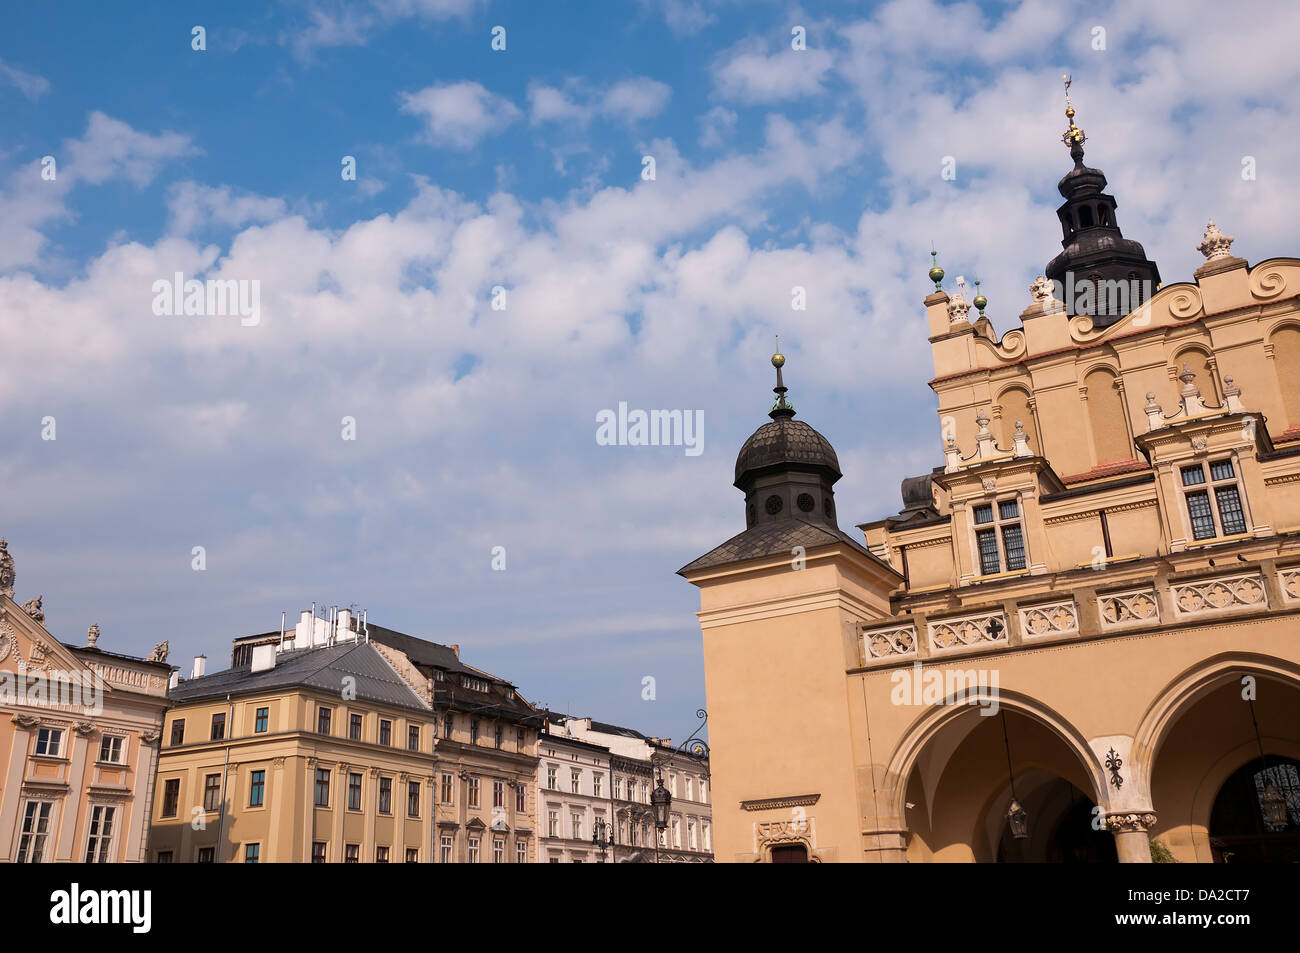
column 159, row 653
column 6, row 570
column 33, row 608
column 92, row 635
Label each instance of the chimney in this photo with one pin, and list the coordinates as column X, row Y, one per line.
column 263, row 657
column 345, row 624
column 174, row 680
column 456, row 649
column 200, row 666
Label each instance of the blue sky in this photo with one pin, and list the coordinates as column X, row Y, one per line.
column 776, row 168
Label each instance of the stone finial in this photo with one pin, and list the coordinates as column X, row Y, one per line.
column 1155, row 413
column 6, row 570
column 951, row 455
column 33, row 608
column 1020, row 441
column 987, row 446
column 92, row 635
column 958, row 308
column 1232, row 396
column 1215, row 245
column 159, row 653
column 1191, row 394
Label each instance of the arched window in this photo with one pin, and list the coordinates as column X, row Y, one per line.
column 1286, row 362
column 1085, row 217
column 1106, row 416
column 1256, row 815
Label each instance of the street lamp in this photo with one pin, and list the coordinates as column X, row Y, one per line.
column 600, row 838
column 661, row 801
column 1016, row 815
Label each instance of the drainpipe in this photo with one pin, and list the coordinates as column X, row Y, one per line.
column 221, row 819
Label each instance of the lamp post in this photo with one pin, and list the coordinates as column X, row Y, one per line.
column 661, row 801
column 1016, row 815
column 600, row 838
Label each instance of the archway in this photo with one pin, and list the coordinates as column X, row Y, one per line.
column 958, row 787
column 1256, row 815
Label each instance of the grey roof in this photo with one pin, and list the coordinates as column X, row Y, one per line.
column 784, row 441
column 423, row 652
column 777, row 538
column 321, row 668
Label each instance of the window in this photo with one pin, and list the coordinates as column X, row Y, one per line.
column 413, row 738
column 595, row 784
column 171, row 797
column 498, row 851
column 323, row 716
column 256, row 788
column 260, row 722
column 381, row 855
column 49, row 742
column 412, row 798
column 36, row 827
column 618, row 788
column 322, row 787
column 178, row 731
column 412, row 855
column 444, row 849
column 112, row 749
column 473, row 731
column 575, row 781
column 354, row 726
column 318, row 852
column 212, row 792
column 689, row 796
column 498, row 794
column 445, row 796
column 206, row 855
column 473, row 850
column 521, row 852
column 385, row 795
column 385, row 731
column 475, row 684
column 473, row 792
column 1226, row 516
column 351, row 853
column 1001, row 541
column 163, row 857
column 497, row 732
column 519, row 739
column 576, row 820
column 551, row 782
column 552, row 823
column 690, row 834
column 447, row 724
column 252, row 852
column 354, row 792
column 99, row 838
column 218, row 726
column 519, row 799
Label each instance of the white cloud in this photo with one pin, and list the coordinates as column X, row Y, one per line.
column 29, row 84
column 635, row 99
column 337, row 23
column 460, row 115
column 750, row 75
column 717, row 126
column 111, row 149
column 191, row 206
column 577, row 102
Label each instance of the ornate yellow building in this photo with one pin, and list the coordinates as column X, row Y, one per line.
column 79, row 730
column 1078, row 639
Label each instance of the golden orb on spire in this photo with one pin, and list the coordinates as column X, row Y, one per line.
column 778, row 359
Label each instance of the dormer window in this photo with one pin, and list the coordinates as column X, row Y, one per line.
column 999, row 537
column 1217, row 481
column 474, row 684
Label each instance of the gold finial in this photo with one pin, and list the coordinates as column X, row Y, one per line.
column 1073, row 136
column 778, row 359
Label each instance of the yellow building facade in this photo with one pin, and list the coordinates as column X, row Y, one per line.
column 1077, row 640
column 332, row 746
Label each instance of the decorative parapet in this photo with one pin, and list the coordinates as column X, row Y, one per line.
column 1220, row 594
column 984, row 628
column 1130, row 607
column 895, row 642
column 1289, row 582
column 774, row 803
column 1049, row 619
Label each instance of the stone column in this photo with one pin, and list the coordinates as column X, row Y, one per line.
column 1131, row 840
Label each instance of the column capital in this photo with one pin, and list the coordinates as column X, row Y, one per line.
column 1131, row 822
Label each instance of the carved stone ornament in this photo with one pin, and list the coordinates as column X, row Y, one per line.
column 6, row 570
column 83, row 727
column 150, row 735
column 1041, row 289
column 989, row 484
column 25, row 721
column 958, row 308
column 92, row 634
column 1128, row 823
column 1215, row 245
column 33, row 608
column 159, row 653
column 8, row 641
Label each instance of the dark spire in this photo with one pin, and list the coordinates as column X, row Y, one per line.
column 1099, row 272
column 782, row 407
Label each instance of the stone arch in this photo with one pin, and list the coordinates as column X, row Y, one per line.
column 931, row 722
column 1199, row 359
column 1107, row 415
column 1188, row 688
column 1016, row 403
column 1284, row 341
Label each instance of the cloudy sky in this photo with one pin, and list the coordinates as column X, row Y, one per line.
column 524, row 169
